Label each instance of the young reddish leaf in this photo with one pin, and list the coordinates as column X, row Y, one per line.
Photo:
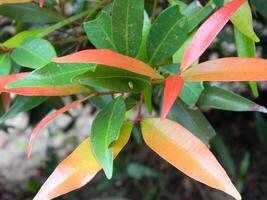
column 228, row 69
column 187, row 153
column 208, row 31
column 41, row 3
column 109, row 58
column 78, row 168
column 173, row 87
column 38, row 91
column 49, row 118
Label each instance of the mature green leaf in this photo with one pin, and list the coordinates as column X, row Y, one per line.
column 142, row 54
column 224, row 155
column 195, row 14
column 19, row 37
column 53, row 74
column 261, row 127
column 105, row 130
column 22, row 104
column 178, row 56
column 113, row 79
column 178, row 2
column 5, row 64
column 261, row 7
column 166, row 35
column 99, row 32
column 193, row 120
column 29, row 13
column 33, row 53
column 138, row 171
column 127, row 25
column 245, row 49
column 191, row 92
column 101, row 101
column 218, row 98
column 130, row 103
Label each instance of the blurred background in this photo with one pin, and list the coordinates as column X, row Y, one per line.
column 240, row 143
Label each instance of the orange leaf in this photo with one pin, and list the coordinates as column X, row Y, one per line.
column 38, row 91
column 187, row 153
column 208, row 31
column 173, row 87
column 78, row 168
column 109, row 58
column 228, row 69
column 49, row 118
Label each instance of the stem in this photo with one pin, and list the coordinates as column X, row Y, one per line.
column 138, row 117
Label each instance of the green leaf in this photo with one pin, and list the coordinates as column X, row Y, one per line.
column 53, row 74
column 130, row 103
column 193, row 120
column 99, row 32
column 138, row 171
column 113, row 79
column 224, row 155
column 261, row 7
column 5, row 64
column 245, row 49
column 195, row 14
column 166, row 35
column 22, row 104
column 29, row 13
column 243, row 21
column 142, row 54
column 218, row 98
column 191, row 92
column 101, row 101
column 105, row 130
column 19, row 37
column 33, row 53
column 127, row 25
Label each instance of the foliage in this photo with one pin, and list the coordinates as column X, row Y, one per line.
column 135, row 58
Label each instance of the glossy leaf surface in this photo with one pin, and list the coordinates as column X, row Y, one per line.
column 228, row 69
column 208, row 31
column 127, row 25
column 33, row 53
column 173, row 87
column 78, row 168
column 109, row 58
column 219, row 98
column 113, row 79
column 105, row 130
column 166, row 35
column 49, row 118
column 99, row 32
column 37, row 90
column 187, row 153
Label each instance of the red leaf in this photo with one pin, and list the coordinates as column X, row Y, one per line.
column 49, row 118
column 41, row 3
column 208, row 31
column 173, row 87
column 39, row 91
column 109, row 58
